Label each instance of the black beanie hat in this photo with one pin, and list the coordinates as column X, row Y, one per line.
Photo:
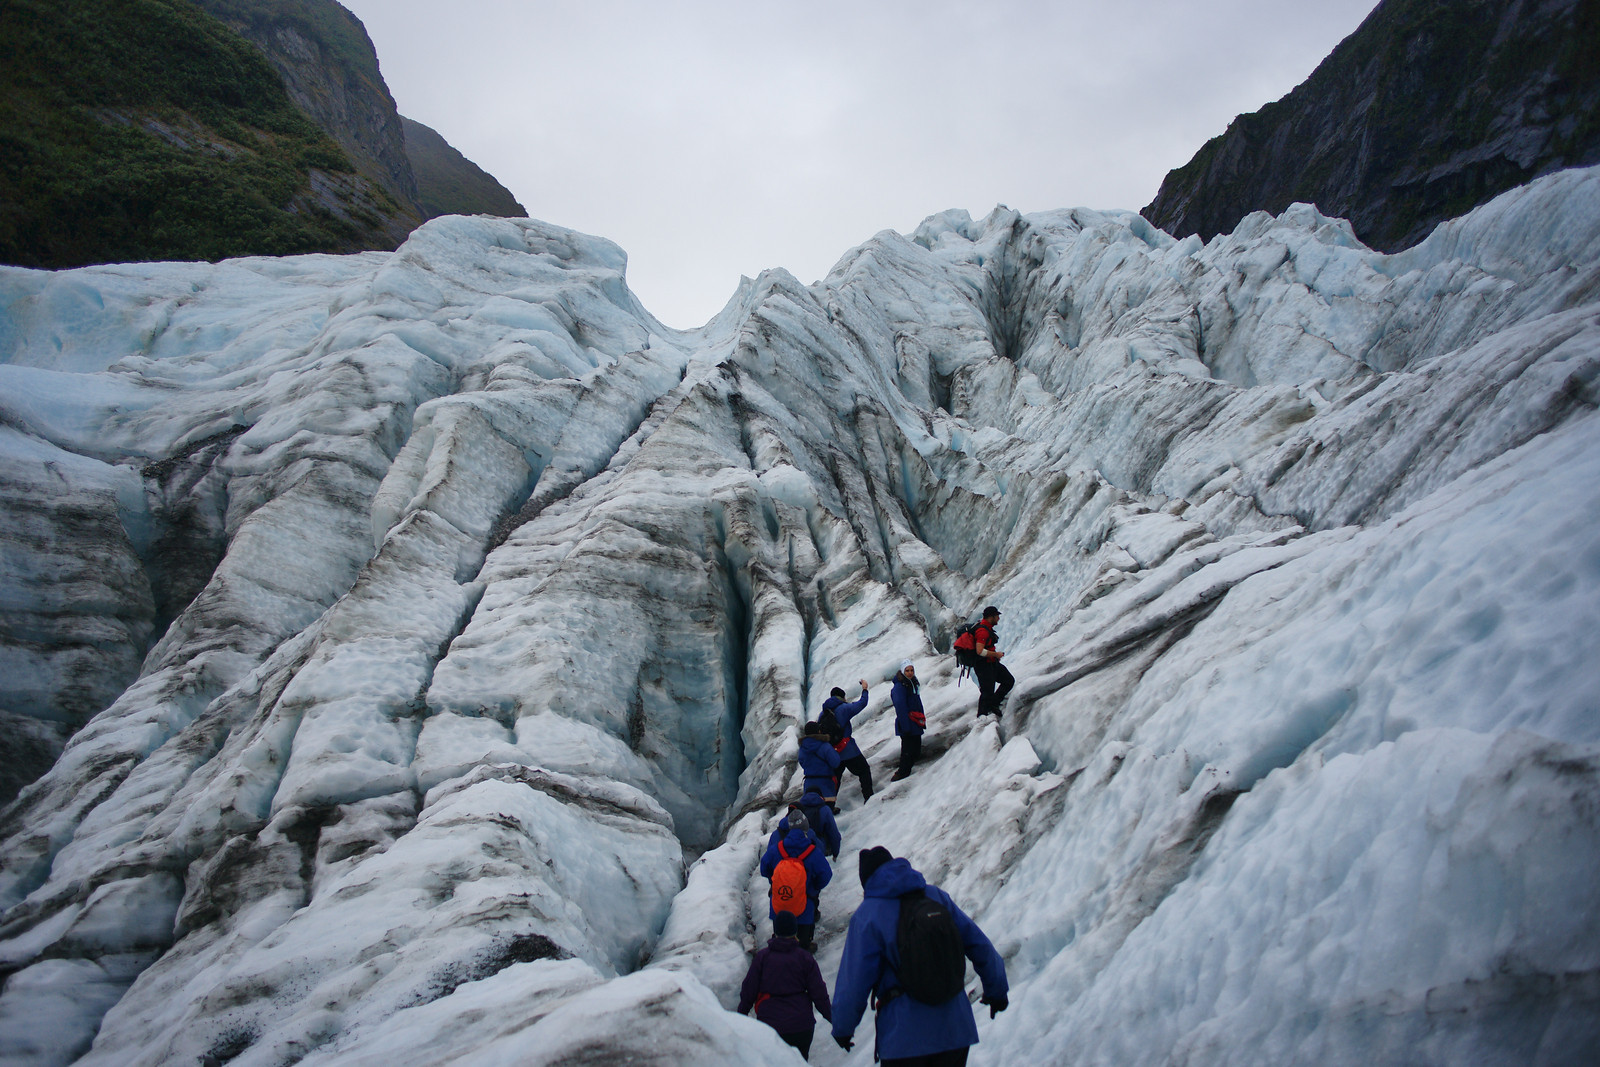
column 783, row 924
column 871, row 859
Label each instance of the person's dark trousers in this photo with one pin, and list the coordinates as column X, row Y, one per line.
column 800, row 1039
column 806, row 933
column 954, row 1057
column 994, row 682
column 858, row 766
column 910, row 752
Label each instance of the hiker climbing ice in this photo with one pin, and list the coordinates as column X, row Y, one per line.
column 836, row 724
column 797, row 871
column 907, row 948
column 975, row 650
column 783, row 984
column 909, row 719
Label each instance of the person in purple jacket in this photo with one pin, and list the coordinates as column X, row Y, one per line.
column 783, row 983
column 909, row 1031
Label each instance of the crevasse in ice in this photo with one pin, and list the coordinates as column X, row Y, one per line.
column 453, row 621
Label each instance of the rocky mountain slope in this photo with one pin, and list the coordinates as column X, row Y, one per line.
column 450, row 183
column 495, row 607
column 146, row 130
column 1430, row 108
column 330, row 69
column 150, row 130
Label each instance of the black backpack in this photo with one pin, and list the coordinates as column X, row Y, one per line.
column 933, row 967
column 830, row 726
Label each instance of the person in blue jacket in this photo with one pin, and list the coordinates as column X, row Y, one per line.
column 818, row 873
column 909, row 1031
column 820, row 763
column 823, row 825
column 909, row 719
column 827, row 838
column 849, row 752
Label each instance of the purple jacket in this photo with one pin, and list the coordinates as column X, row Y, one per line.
column 790, row 977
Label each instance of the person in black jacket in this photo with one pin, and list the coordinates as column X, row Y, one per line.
column 994, row 681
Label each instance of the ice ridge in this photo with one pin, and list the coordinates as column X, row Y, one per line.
column 433, row 630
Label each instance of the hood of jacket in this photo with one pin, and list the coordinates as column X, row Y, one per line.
column 894, row 879
column 796, row 841
column 833, row 702
column 812, row 799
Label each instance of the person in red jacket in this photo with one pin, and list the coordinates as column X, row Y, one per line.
column 994, row 681
column 783, row 984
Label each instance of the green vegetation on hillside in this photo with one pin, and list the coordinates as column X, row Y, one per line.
column 450, row 183
column 146, row 129
column 337, row 32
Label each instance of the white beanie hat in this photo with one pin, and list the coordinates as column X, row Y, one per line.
column 906, row 663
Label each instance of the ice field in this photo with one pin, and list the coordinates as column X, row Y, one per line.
column 433, row 631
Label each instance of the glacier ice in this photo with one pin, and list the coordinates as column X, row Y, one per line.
column 424, row 638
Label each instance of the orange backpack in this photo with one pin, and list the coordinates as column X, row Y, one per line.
column 789, row 881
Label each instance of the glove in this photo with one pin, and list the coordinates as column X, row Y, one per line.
column 847, row 1042
column 996, row 1004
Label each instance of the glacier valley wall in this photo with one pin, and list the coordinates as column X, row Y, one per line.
column 417, row 642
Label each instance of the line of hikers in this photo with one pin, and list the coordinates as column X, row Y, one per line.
column 908, row 942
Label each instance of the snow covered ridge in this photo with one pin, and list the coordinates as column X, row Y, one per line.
column 442, row 603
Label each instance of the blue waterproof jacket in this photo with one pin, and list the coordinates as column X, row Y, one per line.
column 906, row 696
column 820, row 763
column 823, row 824
column 844, row 713
column 906, row 1026
column 818, row 871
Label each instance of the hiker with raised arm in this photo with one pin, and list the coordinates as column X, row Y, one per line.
column 907, row 948
column 797, row 871
column 783, row 984
column 835, row 720
column 909, row 718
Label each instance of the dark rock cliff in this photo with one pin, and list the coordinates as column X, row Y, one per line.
column 1430, row 108
column 330, row 69
column 450, row 183
column 147, row 129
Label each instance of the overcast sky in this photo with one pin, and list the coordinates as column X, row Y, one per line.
column 714, row 139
